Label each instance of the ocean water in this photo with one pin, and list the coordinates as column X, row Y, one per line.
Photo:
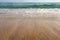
column 29, row 5
column 29, row 21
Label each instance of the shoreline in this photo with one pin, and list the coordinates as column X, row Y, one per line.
column 29, row 24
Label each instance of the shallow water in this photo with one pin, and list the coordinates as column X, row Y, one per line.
column 29, row 24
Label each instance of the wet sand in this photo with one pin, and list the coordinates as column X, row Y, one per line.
column 29, row 24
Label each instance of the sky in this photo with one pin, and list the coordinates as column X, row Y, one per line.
column 29, row 0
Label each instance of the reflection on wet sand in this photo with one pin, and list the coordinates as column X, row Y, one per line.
column 36, row 26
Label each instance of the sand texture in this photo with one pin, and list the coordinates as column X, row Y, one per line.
column 29, row 24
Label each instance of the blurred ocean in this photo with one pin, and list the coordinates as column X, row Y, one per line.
column 29, row 5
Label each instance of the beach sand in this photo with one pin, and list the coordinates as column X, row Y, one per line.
column 29, row 24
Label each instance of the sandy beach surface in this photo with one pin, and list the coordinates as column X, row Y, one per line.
column 30, row 24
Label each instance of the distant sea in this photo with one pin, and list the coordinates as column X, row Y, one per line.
column 29, row 5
